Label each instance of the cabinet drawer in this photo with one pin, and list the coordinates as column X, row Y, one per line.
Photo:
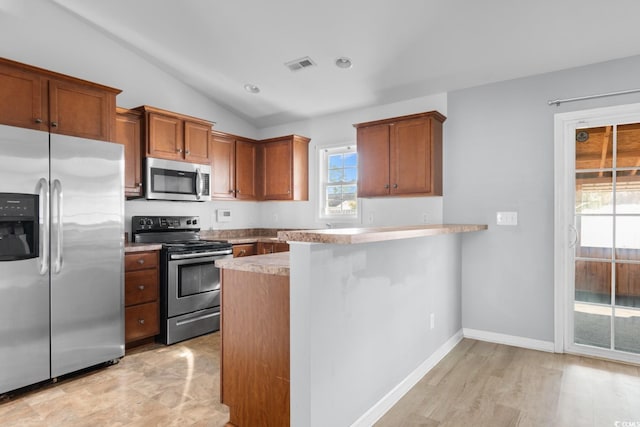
column 244, row 250
column 140, row 260
column 141, row 321
column 140, row 286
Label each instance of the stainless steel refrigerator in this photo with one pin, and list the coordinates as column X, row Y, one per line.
column 61, row 255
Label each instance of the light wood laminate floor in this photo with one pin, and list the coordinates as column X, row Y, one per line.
column 485, row 384
column 476, row 384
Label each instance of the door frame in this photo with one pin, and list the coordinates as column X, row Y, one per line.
column 565, row 125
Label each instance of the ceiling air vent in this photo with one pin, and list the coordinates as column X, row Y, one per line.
column 300, row 63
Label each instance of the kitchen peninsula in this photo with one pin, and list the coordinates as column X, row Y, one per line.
column 337, row 331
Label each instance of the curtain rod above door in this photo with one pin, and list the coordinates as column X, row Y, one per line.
column 557, row 102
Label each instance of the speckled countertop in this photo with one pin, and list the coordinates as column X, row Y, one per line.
column 277, row 264
column 141, row 247
column 242, row 236
column 374, row 234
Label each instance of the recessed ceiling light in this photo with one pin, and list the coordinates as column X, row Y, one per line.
column 343, row 62
column 251, row 88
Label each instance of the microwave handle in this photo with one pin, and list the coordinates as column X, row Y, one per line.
column 199, row 183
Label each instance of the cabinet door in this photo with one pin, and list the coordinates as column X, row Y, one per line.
column 373, row 161
column 246, row 154
column 410, row 157
column 196, row 142
column 128, row 134
column 21, row 99
column 82, row 111
column 278, row 170
column 223, row 159
column 165, row 137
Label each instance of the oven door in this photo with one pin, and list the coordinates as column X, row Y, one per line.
column 193, row 283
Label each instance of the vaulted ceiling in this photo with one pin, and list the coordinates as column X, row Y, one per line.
column 400, row 49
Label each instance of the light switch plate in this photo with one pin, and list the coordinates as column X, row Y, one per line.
column 507, row 218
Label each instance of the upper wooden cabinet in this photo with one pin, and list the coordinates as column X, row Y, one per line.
column 34, row 98
column 401, row 156
column 174, row 136
column 128, row 133
column 285, row 168
column 233, row 167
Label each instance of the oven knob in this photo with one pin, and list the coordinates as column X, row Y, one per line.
column 142, row 221
column 188, row 222
column 195, row 221
column 149, row 221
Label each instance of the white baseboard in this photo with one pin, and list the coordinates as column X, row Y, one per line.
column 383, row 405
column 509, row 340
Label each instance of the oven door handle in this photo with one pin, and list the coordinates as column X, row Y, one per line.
column 200, row 254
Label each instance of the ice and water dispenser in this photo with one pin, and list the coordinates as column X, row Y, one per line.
column 18, row 226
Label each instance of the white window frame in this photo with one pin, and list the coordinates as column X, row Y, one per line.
column 322, row 162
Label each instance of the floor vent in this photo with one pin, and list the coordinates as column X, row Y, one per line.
column 299, row 64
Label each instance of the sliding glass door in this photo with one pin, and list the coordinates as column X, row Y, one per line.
column 604, row 314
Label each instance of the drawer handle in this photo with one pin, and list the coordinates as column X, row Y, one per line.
column 141, row 287
column 141, row 261
column 242, row 252
column 141, row 321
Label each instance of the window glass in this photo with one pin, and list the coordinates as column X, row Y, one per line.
column 339, row 182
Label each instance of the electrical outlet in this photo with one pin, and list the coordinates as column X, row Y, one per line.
column 370, row 219
column 507, row 218
column 425, row 217
column 432, row 321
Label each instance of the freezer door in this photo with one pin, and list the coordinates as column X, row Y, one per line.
column 24, row 284
column 87, row 253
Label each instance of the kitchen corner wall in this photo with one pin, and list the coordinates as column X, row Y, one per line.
column 499, row 156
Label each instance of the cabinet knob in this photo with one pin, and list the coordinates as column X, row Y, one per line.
column 141, row 287
column 179, row 150
column 231, row 191
column 54, row 124
column 395, row 185
column 141, row 321
column 187, row 152
column 141, row 261
column 38, row 121
column 139, row 184
column 386, row 186
column 238, row 191
column 242, row 252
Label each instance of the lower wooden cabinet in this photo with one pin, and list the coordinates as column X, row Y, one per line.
column 142, row 315
column 272, row 247
column 246, row 249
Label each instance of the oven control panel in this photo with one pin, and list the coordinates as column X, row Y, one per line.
column 153, row 223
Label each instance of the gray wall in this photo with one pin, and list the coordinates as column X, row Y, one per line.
column 360, row 321
column 499, row 156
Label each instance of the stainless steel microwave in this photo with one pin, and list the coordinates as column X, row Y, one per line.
column 172, row 180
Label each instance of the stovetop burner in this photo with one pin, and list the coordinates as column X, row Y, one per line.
column 176, row 233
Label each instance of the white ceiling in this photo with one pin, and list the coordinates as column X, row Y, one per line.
column 400, row 49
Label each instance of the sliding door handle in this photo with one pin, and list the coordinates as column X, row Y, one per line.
column 574, row 240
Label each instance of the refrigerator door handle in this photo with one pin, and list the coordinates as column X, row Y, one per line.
column 43, row 192
column 57, row 196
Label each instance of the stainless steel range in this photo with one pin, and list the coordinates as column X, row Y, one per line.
column 190, row 282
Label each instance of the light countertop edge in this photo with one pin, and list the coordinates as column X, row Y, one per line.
column 141, row 247
column 277, row 263
column 346, row 236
